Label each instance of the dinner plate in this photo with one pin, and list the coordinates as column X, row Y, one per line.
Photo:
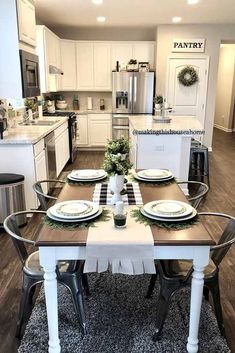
column 85, row 180
column 74, row 209
column 166, row 219
column 152, row 180
column 155, row 174
column 90, row 174
column 75, row 220
column 168, row 208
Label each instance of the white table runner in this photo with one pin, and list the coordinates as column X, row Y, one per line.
column 128, row 250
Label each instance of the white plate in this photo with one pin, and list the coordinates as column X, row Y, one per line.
column 74, row 209
column 155, row 174
column 152, row 180
column 166, row 219
column 74, row 220
column 85, row 180
column 168, row 208
column 88, row 174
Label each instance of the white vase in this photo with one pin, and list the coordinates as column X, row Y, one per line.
column 116, row 183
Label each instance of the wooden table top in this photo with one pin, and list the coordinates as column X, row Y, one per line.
column 195, row 235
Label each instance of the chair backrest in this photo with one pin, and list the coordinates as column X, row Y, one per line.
column 12, row 228
column 202, row 190
column 42, row 197
column 226, row 240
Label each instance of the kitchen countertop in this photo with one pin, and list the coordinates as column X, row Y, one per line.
column 93, row 111
column 30, row 134
column 179, row 125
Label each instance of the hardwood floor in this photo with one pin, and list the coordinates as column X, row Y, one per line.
column 220, row 198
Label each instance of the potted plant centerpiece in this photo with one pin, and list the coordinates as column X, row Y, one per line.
column 117, row 165
column 158, row 100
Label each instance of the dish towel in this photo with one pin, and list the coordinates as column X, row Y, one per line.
column 128, row 250
column 102, row 194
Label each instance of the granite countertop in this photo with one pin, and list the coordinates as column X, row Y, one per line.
column 179, row 125
column 30, row 134
column 86, row 111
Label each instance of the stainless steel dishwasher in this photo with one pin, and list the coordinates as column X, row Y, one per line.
column 49, row 141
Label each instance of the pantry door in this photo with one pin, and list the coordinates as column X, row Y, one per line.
column 190, row 100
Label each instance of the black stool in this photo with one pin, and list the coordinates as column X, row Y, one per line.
column 199, row 163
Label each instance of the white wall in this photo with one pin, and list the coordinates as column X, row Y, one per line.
column 213, row 34
column 225, row 88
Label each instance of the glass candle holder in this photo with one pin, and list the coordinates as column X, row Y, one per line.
column 120, row 220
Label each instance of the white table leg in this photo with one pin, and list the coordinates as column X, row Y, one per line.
column 48, row 262
column 195, row 307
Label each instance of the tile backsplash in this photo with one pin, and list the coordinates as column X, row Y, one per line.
column 82, row 96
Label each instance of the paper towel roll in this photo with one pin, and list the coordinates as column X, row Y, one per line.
column 89, row 103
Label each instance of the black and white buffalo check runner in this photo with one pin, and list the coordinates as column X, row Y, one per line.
column 102, row 194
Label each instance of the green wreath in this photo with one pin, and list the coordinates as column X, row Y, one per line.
column 188, row 76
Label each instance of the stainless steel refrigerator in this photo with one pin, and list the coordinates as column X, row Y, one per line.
column 132, row 92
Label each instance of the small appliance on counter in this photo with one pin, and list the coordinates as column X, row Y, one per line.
column 102, row 105
column 76, row 104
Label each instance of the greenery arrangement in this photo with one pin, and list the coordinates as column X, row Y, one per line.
column 158, row 99
column 116, row 159
column 132, row 62
column 29, row 103
column 188, row 76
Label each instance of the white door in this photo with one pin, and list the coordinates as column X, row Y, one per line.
column 190, row 100
column 85, row 66
column 68, row 65
column 102, row 66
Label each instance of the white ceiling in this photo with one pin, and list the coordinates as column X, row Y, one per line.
column 134, row 13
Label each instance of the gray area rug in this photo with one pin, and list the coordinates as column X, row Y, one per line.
column 121, row 320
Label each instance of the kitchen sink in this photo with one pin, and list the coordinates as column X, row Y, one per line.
column 40, row 123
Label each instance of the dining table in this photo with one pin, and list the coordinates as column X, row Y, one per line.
column 191, row 243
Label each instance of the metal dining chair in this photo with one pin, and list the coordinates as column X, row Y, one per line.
column 199, row 189
column 195, row 201
column 174, row 275
column 70, row 277
column 42, row 198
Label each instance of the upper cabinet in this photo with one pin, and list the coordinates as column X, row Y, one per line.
column 48, row 50
column 121, row 52
column 85, row 66
column 26, row 22
column 93, row 66
column 68, row 65
column 102, row 66
column 141, row 51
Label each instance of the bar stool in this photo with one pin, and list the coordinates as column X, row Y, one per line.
column 199, row 162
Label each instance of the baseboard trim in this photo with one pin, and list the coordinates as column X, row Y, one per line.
column 222, row 128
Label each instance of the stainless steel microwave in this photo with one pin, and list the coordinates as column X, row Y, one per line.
column 29, row 74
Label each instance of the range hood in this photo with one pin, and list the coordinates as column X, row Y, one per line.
column 54, row 70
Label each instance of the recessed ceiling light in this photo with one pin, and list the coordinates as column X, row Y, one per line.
column 97, row 2
column 193, row 2
column 101, row 19
column 176, row 19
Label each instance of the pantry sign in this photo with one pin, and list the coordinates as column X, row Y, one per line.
column 188, row 45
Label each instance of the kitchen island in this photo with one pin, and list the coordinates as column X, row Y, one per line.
column 163, row 145
column 23, row 152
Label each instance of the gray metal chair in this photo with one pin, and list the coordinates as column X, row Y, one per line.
column 174, row 275
column 70, row 277
column 199, row 191
column 43, row 197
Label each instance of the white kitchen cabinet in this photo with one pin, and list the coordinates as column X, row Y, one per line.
column 61, row 148
column 26, row 22
column 121, row 52
column 99, row 127
column 48, row 50
column 93, row 66
column 82, row 139
column 102, row 66
column 85, row 66
column 68, row 65
column 144, row 51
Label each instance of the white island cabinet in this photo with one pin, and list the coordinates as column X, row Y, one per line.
column 23, row 152
column 156, row 145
